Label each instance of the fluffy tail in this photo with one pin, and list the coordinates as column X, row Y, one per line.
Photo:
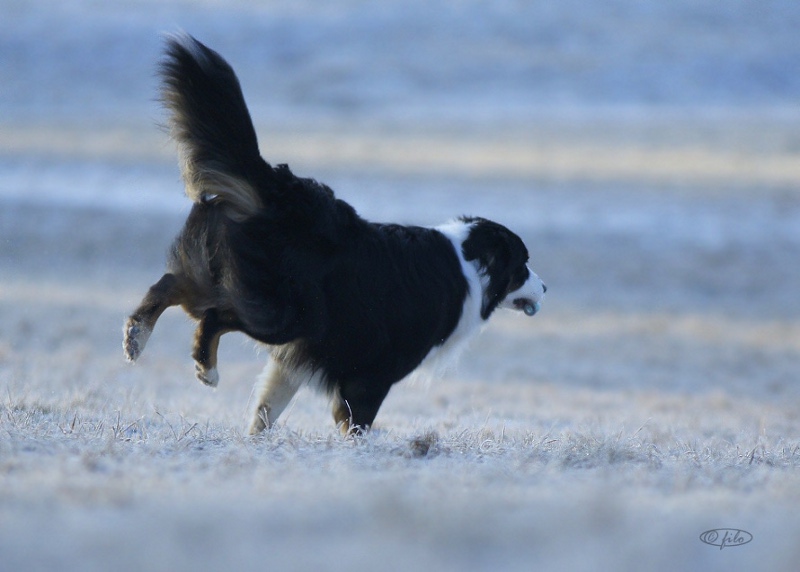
column 209, row 120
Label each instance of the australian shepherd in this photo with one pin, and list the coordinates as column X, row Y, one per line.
column 347, row 305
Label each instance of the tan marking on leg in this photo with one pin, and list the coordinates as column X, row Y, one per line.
column 274, row 390
column 206, row 346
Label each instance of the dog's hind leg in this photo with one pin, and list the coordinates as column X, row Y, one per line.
column 274, row 390
column 206, row 344
column 163, row 294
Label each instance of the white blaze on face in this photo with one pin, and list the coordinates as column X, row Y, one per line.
column 528, row 297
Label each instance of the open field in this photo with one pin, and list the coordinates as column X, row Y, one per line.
column 654, row 398
column 653, row 174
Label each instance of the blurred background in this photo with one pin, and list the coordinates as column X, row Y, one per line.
column 689, row 91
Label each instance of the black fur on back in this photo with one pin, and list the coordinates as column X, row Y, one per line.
column 283, row 260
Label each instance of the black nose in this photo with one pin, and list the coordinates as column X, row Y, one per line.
column 544, row 288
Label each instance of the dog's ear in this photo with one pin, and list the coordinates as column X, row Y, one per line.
column 498, row 253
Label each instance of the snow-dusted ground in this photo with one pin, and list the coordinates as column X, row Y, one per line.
column 648, row 154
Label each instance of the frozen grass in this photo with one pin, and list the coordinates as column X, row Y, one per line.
column 653, row 173
column 93, row 485
column 595, row 436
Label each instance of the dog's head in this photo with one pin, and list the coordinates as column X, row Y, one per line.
column 502, row 262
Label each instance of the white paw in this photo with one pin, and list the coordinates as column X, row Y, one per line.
column 136, row 336
column 208, row 376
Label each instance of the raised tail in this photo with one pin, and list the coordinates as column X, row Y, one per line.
column 209, row 120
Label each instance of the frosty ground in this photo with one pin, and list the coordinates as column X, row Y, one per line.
column 654, row 175
column 654, row 398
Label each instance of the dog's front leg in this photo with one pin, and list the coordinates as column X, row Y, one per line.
column 274, row 390
column 356, row 404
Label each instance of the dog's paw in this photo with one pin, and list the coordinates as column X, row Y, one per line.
column 260, row 422
column 208, row 376
column 136, row 336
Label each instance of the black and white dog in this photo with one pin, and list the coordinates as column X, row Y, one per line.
column 347, row 305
